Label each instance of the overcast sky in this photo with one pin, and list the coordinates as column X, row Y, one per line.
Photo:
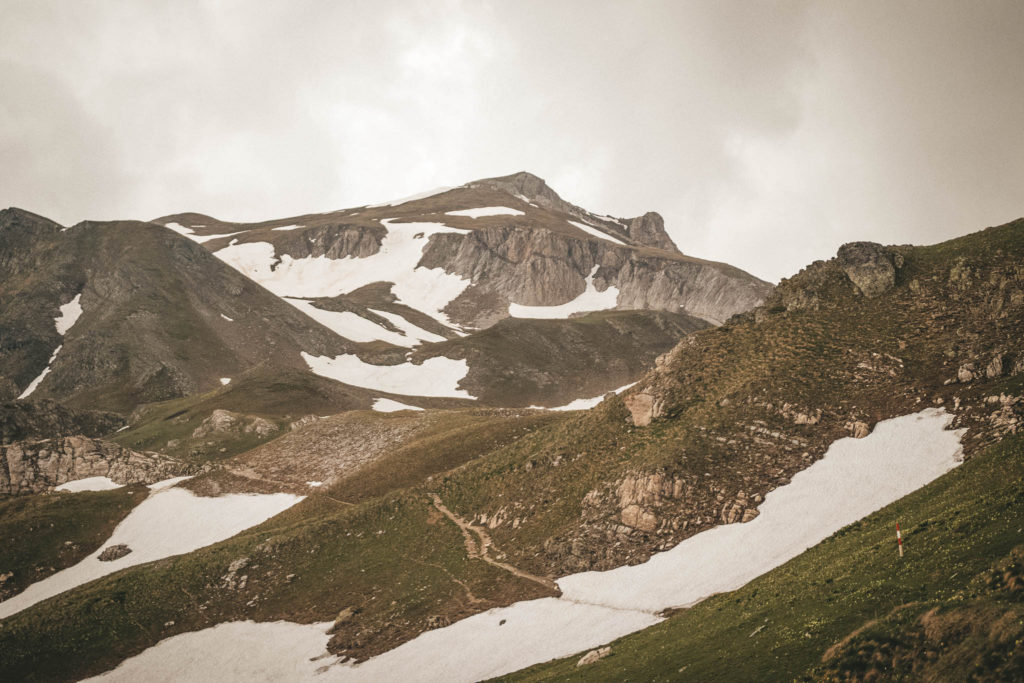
column 766, row 134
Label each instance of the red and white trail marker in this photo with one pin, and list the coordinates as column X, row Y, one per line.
column 899, row 538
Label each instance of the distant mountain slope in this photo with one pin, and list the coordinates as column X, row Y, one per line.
column 156, row 316
column 487, row 246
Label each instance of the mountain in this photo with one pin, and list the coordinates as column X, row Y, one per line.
column 482, row 510
column 452, row 297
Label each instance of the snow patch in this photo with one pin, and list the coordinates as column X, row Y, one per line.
column 189, row 233
column 34, row 384
column 69, row 315
column 438, row 376
column 171, row 521
column 409, row 329
column 289, row 227
column 486, row 211
column 225, row 381
column 855, row 478
column 426, row 289
column 230, row 320
column 89, row 484
column 589, row 300
column 410, row 198
column 591, row 230
column 585, row 403
column 314, row 484
column 349, row 325
column 386, row 405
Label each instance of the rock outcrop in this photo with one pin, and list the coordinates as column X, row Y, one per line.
column 221, row 421
column 870, row 266
column 33, row 467
column 46, row 419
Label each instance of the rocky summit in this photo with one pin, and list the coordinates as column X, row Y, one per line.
column 367, row 424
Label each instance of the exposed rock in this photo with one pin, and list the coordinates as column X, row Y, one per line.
column 221, row 421
column 995, row 367
column 232, row 580
column 303, row 421
column 870, row 266
column 858, row 429
column 638, row 518
column 965, row 373
column 594, row 655
column 33, row 467
column 114, row 552
column 649, row 229
column 643, row 408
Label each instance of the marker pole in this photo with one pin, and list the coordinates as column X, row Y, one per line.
column 899, row 538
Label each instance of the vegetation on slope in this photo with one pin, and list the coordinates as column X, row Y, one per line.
column 851, row 609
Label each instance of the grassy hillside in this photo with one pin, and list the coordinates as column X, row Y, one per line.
column 740, row 409
column 787, row 624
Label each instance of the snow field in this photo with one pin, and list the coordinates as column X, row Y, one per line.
column 386, row 405
column 855, row 478
column 589, row 300
column 585, row 403
column 425, row 289
column 589, row 229
column 189, row 233
column 89, row 484
column 171, row 521
column 486, row 211
column 34, row 384
column 69, row 315
column 437, row 377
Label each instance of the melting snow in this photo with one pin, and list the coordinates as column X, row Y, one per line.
column 486, row 211
column 855, row 478
column 89, row 484
column 584, row 403
column 46, row 371
column 189, row 233
column 425, row 289
column 438, row 376
column 408, row 328
column 290, row 227
column 230, row 320
column 69, row 314
column 225, row 380
column 350, row 325
column 386, row 405
column 410, row 198
column 171, row 521
column 589, row 229
column 314, row 484
column 589, row 300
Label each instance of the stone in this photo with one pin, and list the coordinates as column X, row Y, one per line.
column 638, row 518
column 859, row 429
column 995, row 367
column 643, row 408
column 261, row 426
column 594, row 656
column 965, row 373
column 114, row 552
column 869, row 266
column 219, row 421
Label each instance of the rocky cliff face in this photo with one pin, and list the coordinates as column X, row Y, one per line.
column 33, row 467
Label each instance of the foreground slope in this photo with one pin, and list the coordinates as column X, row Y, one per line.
column 729, row 415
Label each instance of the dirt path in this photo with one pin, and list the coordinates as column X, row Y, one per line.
column 482, row 550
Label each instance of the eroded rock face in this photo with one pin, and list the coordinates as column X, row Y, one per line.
column 643, row 407
column 870, row 266
column 649, row 229
column 34, row 467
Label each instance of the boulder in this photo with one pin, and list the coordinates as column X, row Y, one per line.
column 869, row 266
column 594, row 655
column 643, row 408
column 114, row 552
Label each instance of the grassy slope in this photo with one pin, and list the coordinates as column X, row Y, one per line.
column 804, row 357
column 779, row 626
column 40, row 535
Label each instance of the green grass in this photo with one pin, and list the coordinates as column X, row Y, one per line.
column 779, row 626
column 42, row 534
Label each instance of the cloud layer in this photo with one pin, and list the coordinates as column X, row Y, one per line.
column 766, row 133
